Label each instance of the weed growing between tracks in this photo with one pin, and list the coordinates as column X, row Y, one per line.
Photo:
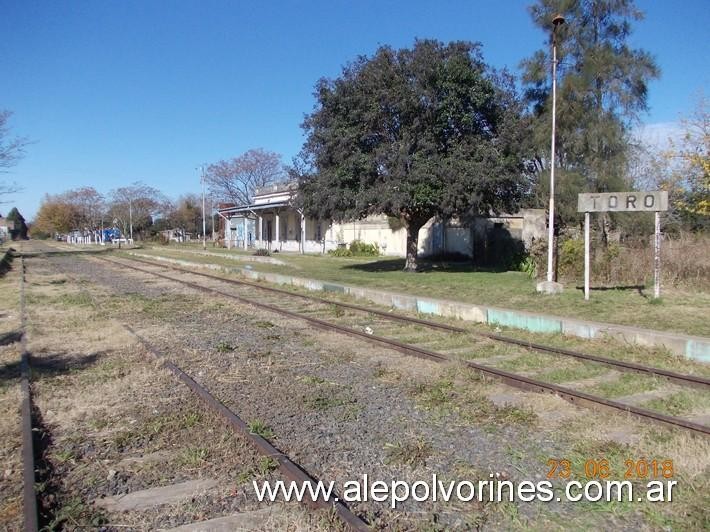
column 462, row 391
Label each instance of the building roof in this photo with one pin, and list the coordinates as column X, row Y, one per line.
column 278, row 187
column 263, row 199
column 253, row 207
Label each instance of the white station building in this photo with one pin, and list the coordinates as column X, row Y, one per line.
column 273, row 222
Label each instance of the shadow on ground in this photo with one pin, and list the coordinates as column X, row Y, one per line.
column 10, row 337
column 48, row 366
column 635, row 287
column 424, row 265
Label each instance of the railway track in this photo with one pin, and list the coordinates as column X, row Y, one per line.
column 29, row 497
column 289, row 469
column 685, row 380
column 403, row 338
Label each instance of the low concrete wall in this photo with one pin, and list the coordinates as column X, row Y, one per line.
column 695, row 347
column 243, row 258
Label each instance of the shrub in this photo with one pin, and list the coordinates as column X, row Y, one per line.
column 340, row 252
column 359, row 248
column 527, row 265
column 683, row 261
column 571, row 258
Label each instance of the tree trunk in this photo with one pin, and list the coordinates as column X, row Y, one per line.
column 413, row 227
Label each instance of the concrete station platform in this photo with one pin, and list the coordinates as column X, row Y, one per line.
column 693, row 347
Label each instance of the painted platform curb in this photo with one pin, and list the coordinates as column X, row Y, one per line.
column 694, row 347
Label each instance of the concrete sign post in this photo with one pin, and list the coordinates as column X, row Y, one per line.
column 653, row 201
column 657, row 257
column 586, row 256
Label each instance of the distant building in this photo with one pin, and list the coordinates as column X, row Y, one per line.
column 176, row 235
column 5, row 227
column 272, row 222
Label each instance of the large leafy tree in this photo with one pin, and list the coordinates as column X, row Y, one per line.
column 81, row 208
column 603, row 84
column 683, row 169
column 413, row 133
column 236, row 179
column 693, row 177
column 187, row 214
column 55, row 215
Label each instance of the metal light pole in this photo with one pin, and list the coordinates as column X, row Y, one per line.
column 556, row 22
column 130, row 216
column 204, row 225
column 212, row 219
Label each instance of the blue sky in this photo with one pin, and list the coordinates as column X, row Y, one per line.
column 113, row 92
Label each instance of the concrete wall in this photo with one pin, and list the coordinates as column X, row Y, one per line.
column 372, row 230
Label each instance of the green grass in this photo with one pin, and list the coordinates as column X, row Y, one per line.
column 447, row 397
column 528, row 361
column 324, row 395
column 193, row 456
column 323, row 400
column 574, row 373
column 681, row 311
column 681, row 403
column 140, row 435
column 610, row 348
column 266, row 465
column 626, row 384
column 224, row 347
column 412, row 452
column 260, row 428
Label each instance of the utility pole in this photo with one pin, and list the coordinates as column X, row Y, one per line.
column 130, row 216
column 550, row 286
column 212, row 218
column 204, row 224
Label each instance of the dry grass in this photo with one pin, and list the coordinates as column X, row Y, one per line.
column 10, row 397
column 684, row 262
column 105, row 405
column 11, row 446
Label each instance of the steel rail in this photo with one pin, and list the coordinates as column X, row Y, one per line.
column 291, row 470
column 29, row 496
column 512, row 379
column 679, row 378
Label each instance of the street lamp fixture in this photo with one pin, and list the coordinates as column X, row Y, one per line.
column 550, row 286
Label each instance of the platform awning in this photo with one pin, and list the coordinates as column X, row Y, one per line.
column 252, row 208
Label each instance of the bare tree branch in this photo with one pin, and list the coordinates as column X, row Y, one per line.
column 139, row 202
column 11, row 151
column 236, row 179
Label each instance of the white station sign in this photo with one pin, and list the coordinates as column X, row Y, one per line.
column 656, row 200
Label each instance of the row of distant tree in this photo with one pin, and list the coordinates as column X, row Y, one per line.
column 432, row 130
column 138, row 209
